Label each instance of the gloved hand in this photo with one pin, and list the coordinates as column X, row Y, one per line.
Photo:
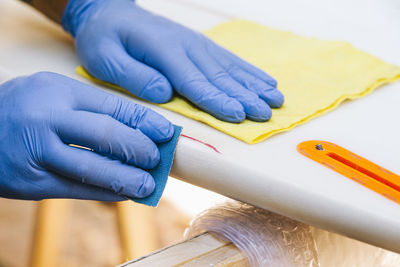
column 121, row 43
column 42, row 113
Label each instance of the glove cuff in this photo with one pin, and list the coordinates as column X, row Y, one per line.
column 75, row 13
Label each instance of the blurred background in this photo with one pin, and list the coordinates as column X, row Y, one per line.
column 90, row 236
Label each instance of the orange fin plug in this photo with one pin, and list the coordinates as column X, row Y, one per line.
column 354, row 167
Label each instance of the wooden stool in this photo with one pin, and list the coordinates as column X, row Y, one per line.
column 136, row 226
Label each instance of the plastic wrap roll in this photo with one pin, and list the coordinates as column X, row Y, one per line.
column 268, row 239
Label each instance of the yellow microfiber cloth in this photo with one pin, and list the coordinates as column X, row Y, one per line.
column 314, row 75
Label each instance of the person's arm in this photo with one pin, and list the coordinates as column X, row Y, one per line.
column 51, row 8
column 119, row 42
column 41, row 114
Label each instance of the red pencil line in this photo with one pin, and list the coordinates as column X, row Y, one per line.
column 204, row 143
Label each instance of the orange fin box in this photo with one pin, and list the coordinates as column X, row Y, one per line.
column 354, row 167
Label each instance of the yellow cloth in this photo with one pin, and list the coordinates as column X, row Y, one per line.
column 314, row 75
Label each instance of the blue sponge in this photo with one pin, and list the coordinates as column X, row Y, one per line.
column 161, row 171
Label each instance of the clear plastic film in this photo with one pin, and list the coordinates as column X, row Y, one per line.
column 266, row 238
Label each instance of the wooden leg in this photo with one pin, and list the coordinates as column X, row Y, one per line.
column 202, row 250
column 137, row 229
column 51, row 216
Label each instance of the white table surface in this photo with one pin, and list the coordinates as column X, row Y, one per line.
column 271, row 174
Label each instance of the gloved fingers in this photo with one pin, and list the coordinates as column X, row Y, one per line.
column 255, row 108
column 90, row 168
column 250, row 77
column 73, row 189
column 152, row 124
column 243, row 64
column 191, row 83
column 108, row 137
column 116, row 66
column 272, row 96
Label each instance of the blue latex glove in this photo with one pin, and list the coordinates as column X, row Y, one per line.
column 121, row 43
column 42, row 113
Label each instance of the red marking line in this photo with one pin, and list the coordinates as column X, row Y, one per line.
column 204, row 143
